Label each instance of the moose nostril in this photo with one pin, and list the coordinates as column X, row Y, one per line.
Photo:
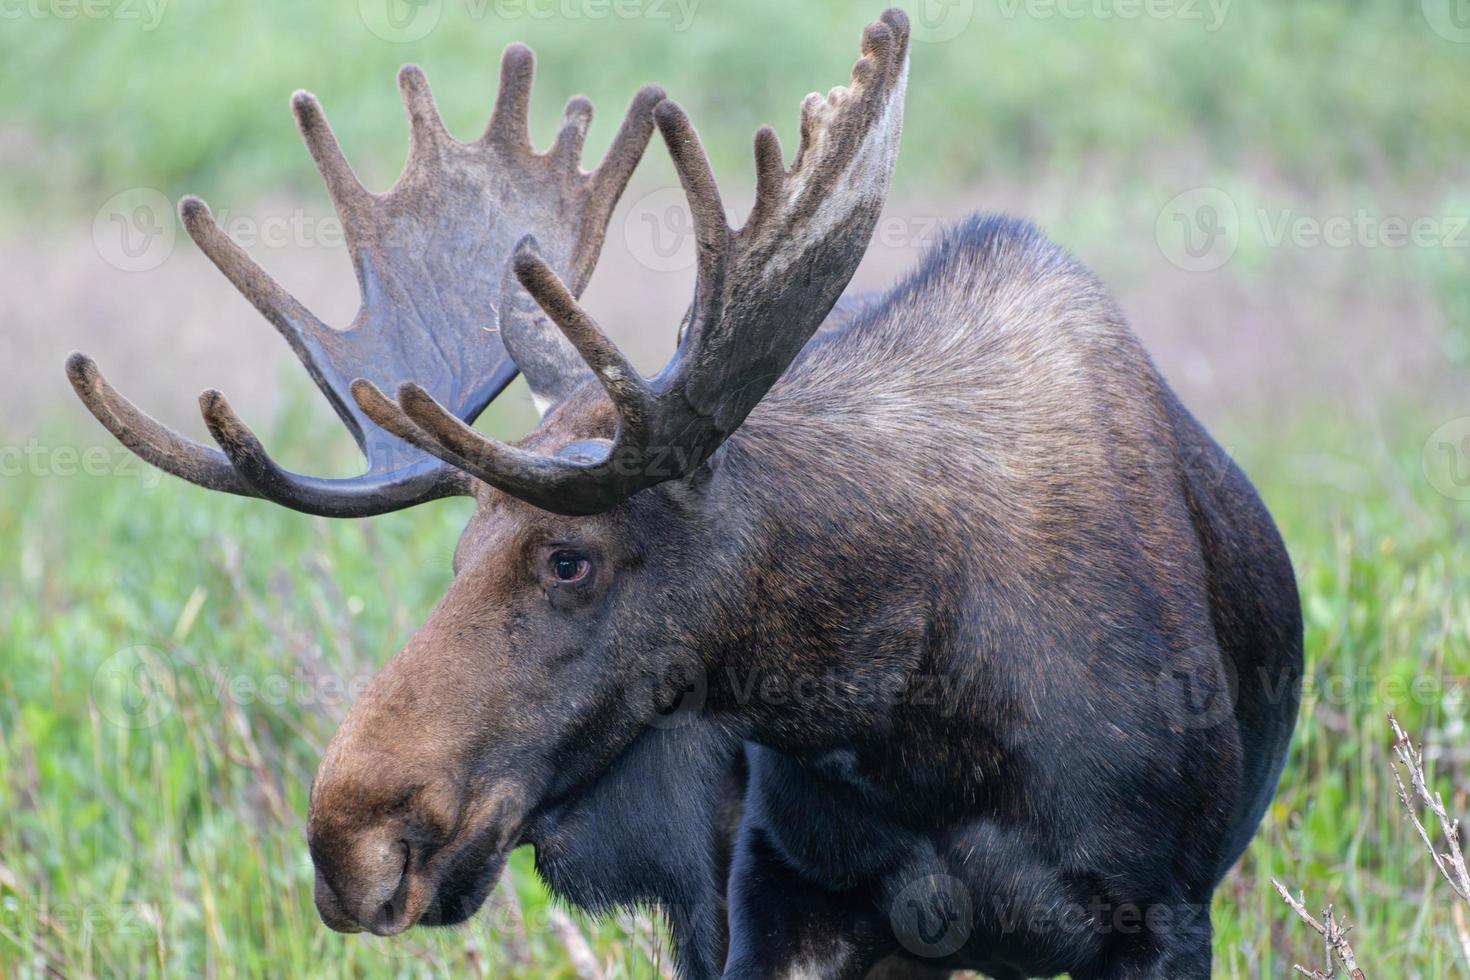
column 388, row 918
column 368, row 889
column 387, row 921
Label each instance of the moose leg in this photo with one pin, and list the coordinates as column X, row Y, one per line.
column 783, row 926
column 1174, row 947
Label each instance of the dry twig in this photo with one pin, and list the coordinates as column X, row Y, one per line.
column 1450, row 861
column 579, row 953
column 505, row 911
column 1334, row 939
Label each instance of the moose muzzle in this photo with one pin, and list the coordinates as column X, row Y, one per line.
column 407, row 822
column 395, row 844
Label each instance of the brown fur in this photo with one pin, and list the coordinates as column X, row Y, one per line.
column 979, row 478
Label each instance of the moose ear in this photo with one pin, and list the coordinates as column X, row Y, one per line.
column 691, row 491
column 587, row 452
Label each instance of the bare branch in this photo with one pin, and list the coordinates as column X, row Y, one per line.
column 1334, row 938
column 579, row 953
column 506, row 907
column 1451, row 861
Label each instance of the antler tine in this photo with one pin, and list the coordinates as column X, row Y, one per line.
column 711, row 231
column 357, row 497
column 387, row 413
column 509, row 125
column 627, row 147
column 566, row 152
column 164, row 448
column 426, row 132
column 294, row 321
column 345, row 189
column 244, row 450
column 383, row 411
column 605, row 185
column 770, row 176
column 147, row 437
column 512, row 469
column 623, row 383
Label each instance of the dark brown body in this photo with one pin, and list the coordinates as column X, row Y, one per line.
column 939, row 637
column 993, row 590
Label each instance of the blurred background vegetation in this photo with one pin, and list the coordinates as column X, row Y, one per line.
column 173, row 661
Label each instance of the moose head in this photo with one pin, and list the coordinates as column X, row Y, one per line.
column 611, row 548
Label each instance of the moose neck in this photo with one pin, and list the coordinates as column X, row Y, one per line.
column 826, row 552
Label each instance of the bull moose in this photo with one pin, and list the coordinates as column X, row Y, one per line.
column 877, row 635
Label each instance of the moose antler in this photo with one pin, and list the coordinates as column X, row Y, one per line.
column 431, row 257
column 760, row 294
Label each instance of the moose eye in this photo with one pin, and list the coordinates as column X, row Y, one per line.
column 568, row 566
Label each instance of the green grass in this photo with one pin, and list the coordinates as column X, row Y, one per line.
column 198, row 104
column 176, row 847
column 163, row 836
column 1386, row 599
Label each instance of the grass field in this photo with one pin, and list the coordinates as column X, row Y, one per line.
column 175, row 662
column 172, row 662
